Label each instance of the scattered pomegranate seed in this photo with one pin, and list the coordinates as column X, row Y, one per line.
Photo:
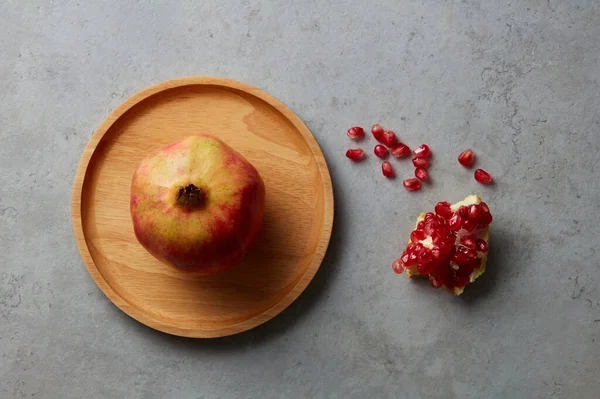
column 412, row 184
column 482, row 176
column 355, row 154
column 422, row 151
column 380, row 151
column 401, row 150
column 466, row 158
column 390, row 139
column 377, row 132
column 387, row 170
column 421, row 174
column 356, row 133
column 421, row 162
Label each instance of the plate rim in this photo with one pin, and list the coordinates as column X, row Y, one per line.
column 136, row 313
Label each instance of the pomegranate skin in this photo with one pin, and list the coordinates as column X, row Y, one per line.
column 197, row 205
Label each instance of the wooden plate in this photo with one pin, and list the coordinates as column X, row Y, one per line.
column 298, row 209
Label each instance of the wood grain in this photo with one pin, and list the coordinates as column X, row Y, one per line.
column 298, row 207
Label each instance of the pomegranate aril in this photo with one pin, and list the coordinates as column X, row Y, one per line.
column 484, row 207
column 412, row 259
column 474, row 212
column 422, row 268
column 468, row 224
column 461, row 259
column 482, row 246
column 461, row 281
column 417, row 235
column 356, row 132
column 424, row 255
column 412, row 184
column 443, row 209
column 421, row 225
column 377, row 132
column 454, row 223
column 355, row 154
column 466, row 157
column 390, row 139
column 470, row 253
column 387, row 170
column 485, row 219
column 444, row 247
column 463, row 211
column 435, row 283
column 398, row 266
column 421, row 174
column 404, row 257
column 401, row 150
column 421, row 162
column 380, row 151
column 468, row 242
column 482, row 176
column 422, row 151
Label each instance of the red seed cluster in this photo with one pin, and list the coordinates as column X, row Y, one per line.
column 445, row 263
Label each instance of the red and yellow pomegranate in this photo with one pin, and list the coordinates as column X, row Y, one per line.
column 197, row 204
column 449, row 246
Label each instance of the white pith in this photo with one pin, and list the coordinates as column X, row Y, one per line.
column 481, row 233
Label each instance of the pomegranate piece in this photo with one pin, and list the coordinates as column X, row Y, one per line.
column 449, row 246
column 387, row 170
column 377, row 132
column 390, row 139
column 355, row 154
column 422, row 151
column 401, row 150
column 412, row 184
column 380, row 151
column 356, row 133
column 421, row 162
column 421, row 174
column 466, row 158
column 482, row 176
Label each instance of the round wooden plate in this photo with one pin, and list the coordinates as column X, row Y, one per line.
column 298, row 209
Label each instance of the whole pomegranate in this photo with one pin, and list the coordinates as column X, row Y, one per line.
column 197, row 204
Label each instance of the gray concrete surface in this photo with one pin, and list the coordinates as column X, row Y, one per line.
column 515, row 80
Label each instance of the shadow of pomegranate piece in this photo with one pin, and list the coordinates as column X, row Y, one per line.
column 501, row 244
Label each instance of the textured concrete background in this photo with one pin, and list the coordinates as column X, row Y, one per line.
column 515, row 80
